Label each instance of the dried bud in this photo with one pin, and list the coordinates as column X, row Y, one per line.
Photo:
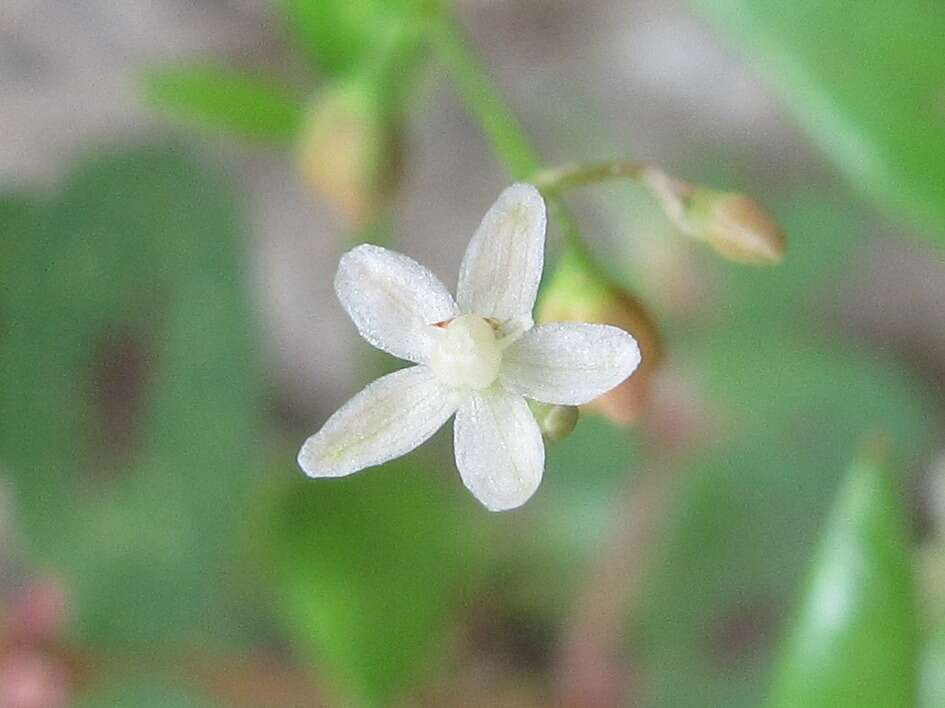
column 736, row 226
column 556, row 421
column 577, row 293
column 348, row 151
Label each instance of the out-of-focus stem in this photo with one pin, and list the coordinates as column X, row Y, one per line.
column 673, row 194
column 588, row 671
column 733, row 224
column 569, row 176
column 504, row 132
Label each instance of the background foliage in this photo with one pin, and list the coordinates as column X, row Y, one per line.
column 150, row 472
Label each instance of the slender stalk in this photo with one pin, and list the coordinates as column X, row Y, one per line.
column 674, row 195
column 557, row 179
column 503, row 131
column 737, row 227
column 397, row 53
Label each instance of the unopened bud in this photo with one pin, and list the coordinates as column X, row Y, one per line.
column 348, row 150
column 577, row 293
column 555, row 421
column 736, row 226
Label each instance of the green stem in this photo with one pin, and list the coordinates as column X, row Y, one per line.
column 748, row 236
column 394, row 60
column 558, row 179
column 504, row 132
column 675, row 196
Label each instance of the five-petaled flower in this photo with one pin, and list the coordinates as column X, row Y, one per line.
column 478, row 356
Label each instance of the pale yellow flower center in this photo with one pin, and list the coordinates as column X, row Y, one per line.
column 466, row 354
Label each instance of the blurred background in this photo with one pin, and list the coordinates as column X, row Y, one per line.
column 177, row 182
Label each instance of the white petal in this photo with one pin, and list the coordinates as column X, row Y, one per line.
column 502, row 266
column 392, row 299
column 499, row 450
column 389, row 418
column 569, row 363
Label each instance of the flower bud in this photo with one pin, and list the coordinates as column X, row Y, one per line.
column 736, row 226
column 578, row 293
column 348, row 150
column 555, row 421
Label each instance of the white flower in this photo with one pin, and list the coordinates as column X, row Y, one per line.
column 478, row 356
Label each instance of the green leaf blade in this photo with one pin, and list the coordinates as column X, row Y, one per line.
column 339, row 36
column 751, row 507
column 855, row 640
column 241, row 104
column 866, row 82
column 131, row 492
column 369, row 571
column 932, row 691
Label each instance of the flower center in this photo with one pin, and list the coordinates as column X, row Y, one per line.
column 466, row 354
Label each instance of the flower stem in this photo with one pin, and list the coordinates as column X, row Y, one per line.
column 570, row 176
column 501, row 128
column 503, row 131
column 673, row 194
column 734, row 225
column 739, row 229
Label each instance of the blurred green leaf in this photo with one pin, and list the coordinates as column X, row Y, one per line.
column 752, row 506
column 340, row 35
column 782, row 403
column 822, row 236
column 585, row 473
column 539, row 555
column 18, row 225
column 141, row 692
column 932, row 686
column 854, row 641
column 866, row 81
column 130, row 396
column 245, row 105
column 370, row 571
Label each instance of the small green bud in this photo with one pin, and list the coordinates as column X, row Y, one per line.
column 555, row 421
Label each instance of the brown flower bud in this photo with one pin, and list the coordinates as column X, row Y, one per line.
column 577, row 293
column 736, row 226
column 348, row 150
